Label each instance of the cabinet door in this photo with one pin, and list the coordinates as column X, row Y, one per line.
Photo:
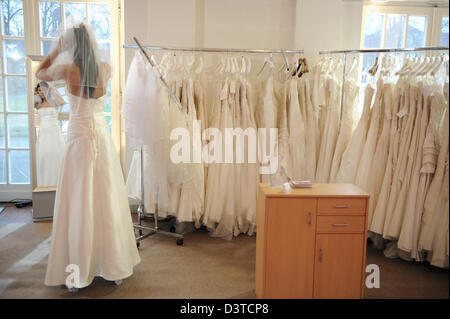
column 290, row 233
column 338, row 265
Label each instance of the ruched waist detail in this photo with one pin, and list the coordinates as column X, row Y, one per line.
column 87, row 127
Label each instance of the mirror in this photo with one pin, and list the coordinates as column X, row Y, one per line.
column 49, row 114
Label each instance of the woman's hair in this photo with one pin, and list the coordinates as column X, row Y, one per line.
column 85, row 60
column 44, row 84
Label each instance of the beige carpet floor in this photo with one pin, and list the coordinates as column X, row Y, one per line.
column 204, row 267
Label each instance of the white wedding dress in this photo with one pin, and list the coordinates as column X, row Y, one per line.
column 49, row 147
column 92, row 226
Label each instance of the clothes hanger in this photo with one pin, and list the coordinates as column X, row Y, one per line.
column 373, row 70
column 267, row 60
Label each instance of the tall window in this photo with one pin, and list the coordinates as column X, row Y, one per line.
column 55, row 13
column 394, row 27
column 14, row 142
column 443, row 40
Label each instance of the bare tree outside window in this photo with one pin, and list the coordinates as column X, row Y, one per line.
column 12, row 18
column 50, row 18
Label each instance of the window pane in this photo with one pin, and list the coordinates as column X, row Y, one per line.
column 19, row 167
column 16, row 94
column 107, row 108
column 62, row 92
column 104, row 49
column 17, row 130
column 416, row 31
column 2, row 107
column 2, row 167
column 444, row 32
column 46, row 46
column 99, row 18
column 108, row 120
column 395, row 31
column 373, row 30
column 12, row 18
column 2, row 130
column 14, row 51
column 74, row 11
column 64, row 125
column 368, row 63
column 50, row 18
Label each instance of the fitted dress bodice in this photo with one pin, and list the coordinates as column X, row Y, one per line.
column 48, row 117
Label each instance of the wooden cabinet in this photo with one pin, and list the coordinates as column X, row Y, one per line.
column 311, row 242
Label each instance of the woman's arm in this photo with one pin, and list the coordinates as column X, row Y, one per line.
column 58, row 72
column 58, row 98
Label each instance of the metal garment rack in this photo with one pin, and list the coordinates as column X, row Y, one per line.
column 141, row 209
column 394, row 50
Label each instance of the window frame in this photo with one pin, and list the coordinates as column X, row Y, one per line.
column 7, row 149
column 400, row 10
column 32, row 44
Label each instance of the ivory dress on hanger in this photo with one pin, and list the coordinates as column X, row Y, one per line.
column 352, row 154
column 346, row 126
column 49, row 147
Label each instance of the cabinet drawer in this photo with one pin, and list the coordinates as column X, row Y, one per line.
column 341, row 206
column 341, row 224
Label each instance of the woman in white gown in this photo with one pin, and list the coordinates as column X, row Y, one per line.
column 92, row 226
column 50, row 142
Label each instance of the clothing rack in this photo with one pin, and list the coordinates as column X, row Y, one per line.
column 215, row 50
column 363, row 51
column 141, row 209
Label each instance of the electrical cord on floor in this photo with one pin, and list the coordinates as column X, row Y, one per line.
column 19, row 202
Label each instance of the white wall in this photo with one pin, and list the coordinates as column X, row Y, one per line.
column 311, row 25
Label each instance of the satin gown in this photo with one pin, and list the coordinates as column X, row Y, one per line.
column 49, row 147
column 92, row 226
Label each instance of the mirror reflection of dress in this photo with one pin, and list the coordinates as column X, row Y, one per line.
column 49, row 147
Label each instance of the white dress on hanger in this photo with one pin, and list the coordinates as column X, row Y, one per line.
column 434, row 232
column 410, row 212
column 379, row 214
column 365, row 163
column 401, row 177
column 49, row 147
column 249, row 171
column 92, row 226
column 380, row 157
column 309, row 117
column 352, row 154
column 346, row 128
column 330, row 133
column 266, row 117
column 219, row 214
column 296, row 134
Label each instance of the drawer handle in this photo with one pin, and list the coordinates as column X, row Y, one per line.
column 340, row 225
column 321, row 254
column 310, row 218
column 342, row 206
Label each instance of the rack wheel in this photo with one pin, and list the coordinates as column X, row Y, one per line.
column 172, row 229
column 140, row 232
column 72, row 290
column 138, row 244
column 180, row 242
